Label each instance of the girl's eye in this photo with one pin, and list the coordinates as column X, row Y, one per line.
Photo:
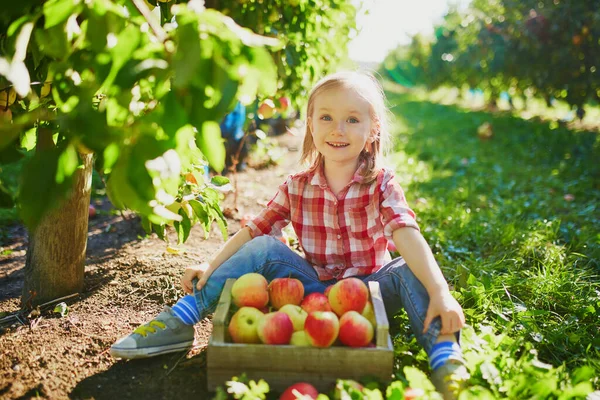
column 326, row 118
column 353, row 120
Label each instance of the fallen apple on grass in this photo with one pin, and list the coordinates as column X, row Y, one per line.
column 321, row 328
column 250, row 290
column 243, row 325
column 349, row 294
column 355, row 330
column 284, row 291
column 300, row 390
column 91, row 211
column 275, row 328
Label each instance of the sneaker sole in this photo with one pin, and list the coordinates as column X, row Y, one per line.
column 146, row 352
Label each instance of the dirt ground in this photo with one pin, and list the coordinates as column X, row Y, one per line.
column 128, row 280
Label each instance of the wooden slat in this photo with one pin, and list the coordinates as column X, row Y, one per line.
column 383, row 327
column 289, row 364
column 220, row 315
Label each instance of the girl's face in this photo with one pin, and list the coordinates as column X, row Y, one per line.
column 340, row 124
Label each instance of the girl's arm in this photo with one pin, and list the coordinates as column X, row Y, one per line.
column 418, row 256
column 204, row 270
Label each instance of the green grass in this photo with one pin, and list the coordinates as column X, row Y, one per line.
column 515, row 224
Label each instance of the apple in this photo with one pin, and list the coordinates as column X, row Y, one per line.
column 284, row 104
column 284, row 291
column 315, row 302
column 350, row 294
column 250, row 290
column 369, row 313
column 300, row 390
column 327, row 290
column 266, row 109
column 7, row 97
column 242, row 326
column 92, row 211
column 275, row 328
column 355, row 330
column 322, row 328
column 413, row 393
column 296, row 314
column 299, row 338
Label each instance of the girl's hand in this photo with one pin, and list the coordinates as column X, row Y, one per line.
column 200, row 272
column 450, row 312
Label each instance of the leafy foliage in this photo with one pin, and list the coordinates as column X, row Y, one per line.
column 546, row 48
column 145, row 91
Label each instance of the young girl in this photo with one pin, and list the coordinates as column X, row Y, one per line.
column 344, row 208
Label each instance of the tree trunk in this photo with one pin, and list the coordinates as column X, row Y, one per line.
column 57, row 246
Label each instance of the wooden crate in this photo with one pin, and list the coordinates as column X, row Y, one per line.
column 283, row 365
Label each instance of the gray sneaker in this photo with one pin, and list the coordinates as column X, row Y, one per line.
column 164, row 334
column 450, row 379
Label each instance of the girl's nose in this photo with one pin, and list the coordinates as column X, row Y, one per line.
column 340, row 127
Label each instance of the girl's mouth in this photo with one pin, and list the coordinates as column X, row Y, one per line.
column 337, row 144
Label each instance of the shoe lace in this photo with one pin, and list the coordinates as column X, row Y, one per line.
column 150, row 327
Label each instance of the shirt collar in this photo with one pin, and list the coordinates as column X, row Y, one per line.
column 318, row 178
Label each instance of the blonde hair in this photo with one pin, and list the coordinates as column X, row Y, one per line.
column 366, row 86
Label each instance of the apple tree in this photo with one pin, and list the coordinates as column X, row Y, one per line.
column 138, row 95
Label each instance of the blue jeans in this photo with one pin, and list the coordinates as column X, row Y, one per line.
column 269, row 257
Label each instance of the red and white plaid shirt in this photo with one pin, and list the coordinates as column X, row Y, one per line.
column 341, row 236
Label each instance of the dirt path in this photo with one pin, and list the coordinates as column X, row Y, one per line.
column 128, row 280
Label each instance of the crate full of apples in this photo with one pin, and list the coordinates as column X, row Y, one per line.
column 272, row 330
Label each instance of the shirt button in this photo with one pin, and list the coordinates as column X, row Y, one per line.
column 339, row 236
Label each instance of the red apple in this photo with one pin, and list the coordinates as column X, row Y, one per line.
column 299, row 338
column 413, row 393
column 284, row 104
column 350, row 294
column 369, row 313
column 284, row 291
column 327, row 290
column 92, row 211
column 275, row 328
column 300, row 390
column 296, row 314
column 315, row 302
column 355, row 330
column 321, row 328
column 266, row 109
column 242, row 326
column 250, row 290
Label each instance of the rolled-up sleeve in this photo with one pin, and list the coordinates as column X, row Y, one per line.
column 275, row 216
column 393, row 207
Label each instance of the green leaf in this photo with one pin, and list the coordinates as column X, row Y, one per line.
column 211, row 144
column 183, row 228
column 58, row 11
column 38, row 191
column 53, row 41
column 67, row 164
column 127, row 41
column 161, row 231
column 219, row 180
